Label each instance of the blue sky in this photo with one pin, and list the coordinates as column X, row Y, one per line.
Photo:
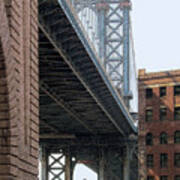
column 156, row 28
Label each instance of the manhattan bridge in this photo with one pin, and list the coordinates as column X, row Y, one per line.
column 87, row 89
column 100, row 34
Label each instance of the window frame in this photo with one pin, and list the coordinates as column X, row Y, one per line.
column 148, row 118
column 149, row 142
column 150, row 177
column 177, row 137
column 164, row 177
column 150, row 160
column 149, row 94
column 162, row 91
column 163, row 141
column 163, row 160
column 162, row 115
column 177, row 113
column 177, row 160
column 177, row 177
column 177, row 90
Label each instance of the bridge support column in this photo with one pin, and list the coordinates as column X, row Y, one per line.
column 19, row 90
column 102, row 7
column 126, row 164
column 69, row 168
column 44, row 163
column 126, row 6
column 101, row 175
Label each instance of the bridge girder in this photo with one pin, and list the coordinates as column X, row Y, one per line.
column 64, row 73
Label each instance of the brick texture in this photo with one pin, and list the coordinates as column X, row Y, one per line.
column 19, row 118
column 156, row 80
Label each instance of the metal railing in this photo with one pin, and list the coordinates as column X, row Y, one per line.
column 87, row 14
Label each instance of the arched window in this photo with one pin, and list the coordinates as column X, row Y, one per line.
column 177, row 137
column 163, row 138
column 149, row 139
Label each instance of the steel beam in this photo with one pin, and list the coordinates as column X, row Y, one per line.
column 126, row 163
column 69, row 165
column 126, row 66
column 54, row 129
column 44, row 163
column 63, row 105
column 101, row 174
column 68, row 168
column 102, row 7
column 57, row 136
column 65, row 57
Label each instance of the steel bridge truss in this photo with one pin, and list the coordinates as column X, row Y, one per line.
column 56, row 166
column 110, row 163
column 107, row 24
column 74, row 70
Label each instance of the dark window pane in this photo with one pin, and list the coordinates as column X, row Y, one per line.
column 163, row 138
column 149, row 93
column 162, row 114
column 149, row 160
column 176, row 90
column 177, row 137
column 177, row 159
column 149, row 139
column 177, row 177
column 149, row 115
column 162, row 91
column 163, row 160
column 150, row 178
column 164, row 178
column 177, row 113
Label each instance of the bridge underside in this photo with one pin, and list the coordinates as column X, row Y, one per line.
column 79, row 116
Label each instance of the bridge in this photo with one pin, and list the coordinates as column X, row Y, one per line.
column 86, row 70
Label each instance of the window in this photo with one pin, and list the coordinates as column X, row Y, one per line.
column 176, row 90
column 149, row 115
column 177, row 113
column 163, row 160
column 149, row 93
column 163, row 178
column 177, row 159
column 149, row 139
column 162, row 91
column 162, row 114
column 177, row 137
column 149, row 160
column 177, row 177
column 163, row 138
column 150, row 178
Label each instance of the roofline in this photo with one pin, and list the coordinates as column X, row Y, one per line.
column 143, row 75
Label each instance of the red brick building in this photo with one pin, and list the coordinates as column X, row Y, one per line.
column 19, row 111
column 159, row 125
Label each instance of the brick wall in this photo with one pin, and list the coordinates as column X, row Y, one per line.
column 19, row 109
column 156, row 80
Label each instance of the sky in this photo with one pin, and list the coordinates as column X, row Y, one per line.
column 82, row 172
column 156, row 31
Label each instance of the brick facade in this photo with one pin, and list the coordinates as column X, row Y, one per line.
column 169, row 125
column 19, row 111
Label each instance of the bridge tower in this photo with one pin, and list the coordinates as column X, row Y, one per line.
column 110, row 36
